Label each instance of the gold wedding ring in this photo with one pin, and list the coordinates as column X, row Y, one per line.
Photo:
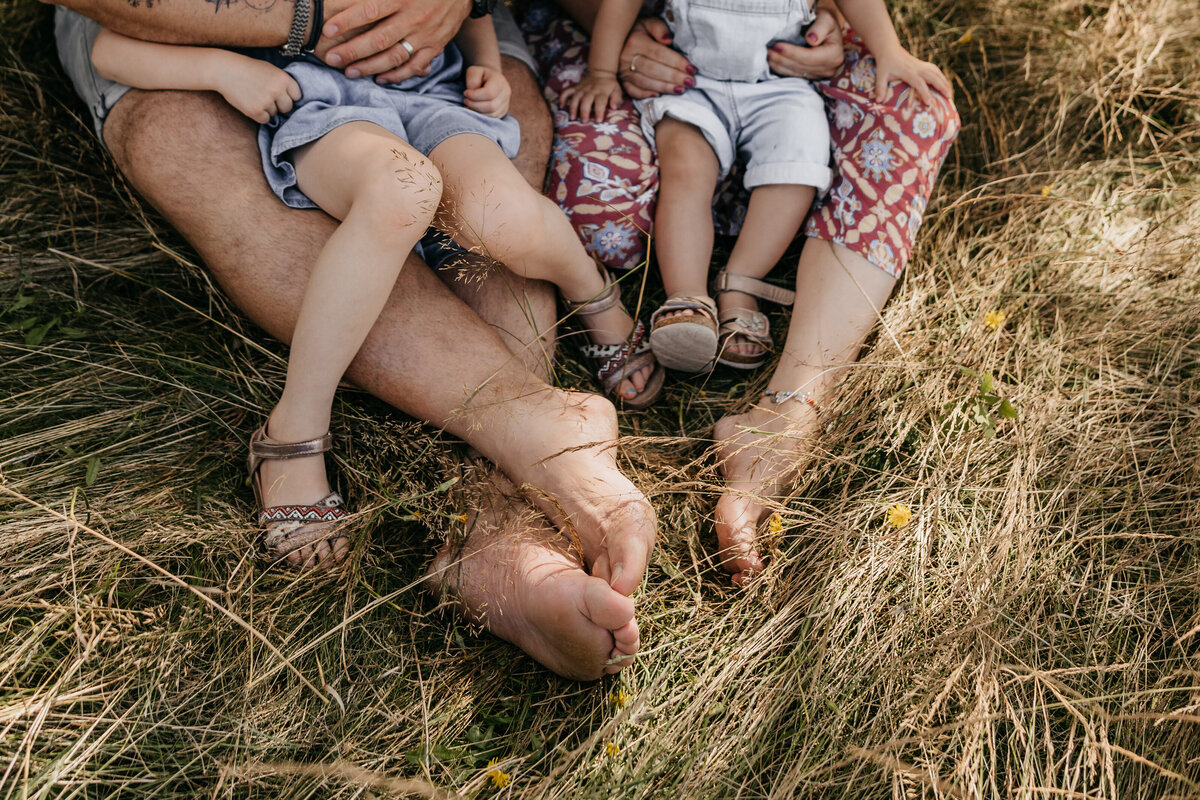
column 633, row 62
column 408, row 47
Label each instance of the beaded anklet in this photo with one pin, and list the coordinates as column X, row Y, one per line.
column 777, row 397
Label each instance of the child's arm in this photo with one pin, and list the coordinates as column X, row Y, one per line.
column 487, row 91
column 255, row 88
column 599, row 91
column 892, row 62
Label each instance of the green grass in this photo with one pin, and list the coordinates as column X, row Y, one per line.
column 1034, row 632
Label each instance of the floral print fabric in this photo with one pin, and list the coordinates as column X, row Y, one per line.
column 886, row 157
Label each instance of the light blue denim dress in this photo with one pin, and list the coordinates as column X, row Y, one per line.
column 424, row 111
column 778, row 125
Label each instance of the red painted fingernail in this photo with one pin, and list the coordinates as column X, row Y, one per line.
column 678, row 90
column 690, row 82
column 691, row 70
column 777, row 47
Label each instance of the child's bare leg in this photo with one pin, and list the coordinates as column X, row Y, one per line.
column 773, row 218
column 683, row 230
column 385, row 193
column 488, row 206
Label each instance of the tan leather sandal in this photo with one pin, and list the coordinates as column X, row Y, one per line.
column 287, row 529
column 685, row 342
column 752, row 327
column 616, row 362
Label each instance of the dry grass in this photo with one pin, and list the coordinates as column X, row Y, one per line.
column 1033, row 632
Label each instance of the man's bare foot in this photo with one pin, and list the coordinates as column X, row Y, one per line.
column 516, row 576
column 300, row 482
column 568, row 462
column 759, row 454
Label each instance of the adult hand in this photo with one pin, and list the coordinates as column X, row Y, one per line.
column 820, row 59
column 364, row 36
column 648, row 65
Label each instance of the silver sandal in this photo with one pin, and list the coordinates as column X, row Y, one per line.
column 752, row 326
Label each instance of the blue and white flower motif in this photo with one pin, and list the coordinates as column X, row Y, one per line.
column 924, row 125
column 564, row 149
column 916, row 213
column 862, row 75
column 598, row 182
column 845, row 205
column 880, row 254
column 572, row 74
column 606, row 128
column 876, row 157
column 612, row 240
column 844, row 115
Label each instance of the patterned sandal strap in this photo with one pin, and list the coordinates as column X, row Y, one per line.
column 729, row 282
column 289, row 528
column 612, row 358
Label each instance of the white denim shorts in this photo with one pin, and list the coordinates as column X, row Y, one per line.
column 778, row 127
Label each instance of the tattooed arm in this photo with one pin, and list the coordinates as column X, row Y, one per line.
column 361, row 35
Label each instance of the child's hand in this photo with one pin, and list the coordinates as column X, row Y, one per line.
column 594, row 94
column 488, row 91
column 900, row 65
column 257, row 89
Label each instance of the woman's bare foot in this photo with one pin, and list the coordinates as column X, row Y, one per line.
column 516, row 576
column 567, row 461
column 300, row 482
column 759, row 454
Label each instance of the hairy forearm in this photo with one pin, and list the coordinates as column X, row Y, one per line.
column 232, row 23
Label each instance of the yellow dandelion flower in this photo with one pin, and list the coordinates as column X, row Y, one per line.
column 620, row 698
column 612, row 750
column 965, row 38
column 497, row 777
column 994, row 319
column 899, row 515
column 1046, row 190
column 461, row 518
column 418, row 515
column 775, row 523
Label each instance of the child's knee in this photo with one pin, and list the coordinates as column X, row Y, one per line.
column 403, row 191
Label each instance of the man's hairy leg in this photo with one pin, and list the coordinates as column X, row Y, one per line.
column 429, row 355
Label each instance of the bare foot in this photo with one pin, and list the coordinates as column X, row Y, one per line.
column 300, row 482
column 515, row 575
column 567, row 460
column 759, row 453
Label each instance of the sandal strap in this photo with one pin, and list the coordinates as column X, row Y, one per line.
column 265, row 448
column 731, row 282
column 686, row 302
column 329, row 509
column 754, row 325
column 609, row 298
column 613, row 358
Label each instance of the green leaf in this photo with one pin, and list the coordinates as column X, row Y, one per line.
column 987, row 382
column 34, row 337
column 93, row 469
column 1006, row 410
column 22, row 300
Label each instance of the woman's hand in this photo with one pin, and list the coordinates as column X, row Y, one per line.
column 488, row 91
column 820, row 59
column 595, row 94
column 648, row 65
column 900, row 65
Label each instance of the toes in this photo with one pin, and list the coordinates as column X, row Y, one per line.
column 737, row 527
column 627, row 639
column 299, row 557
column 604, row 607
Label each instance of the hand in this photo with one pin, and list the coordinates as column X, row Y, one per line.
column 820, row 59
column 363, row 36
column 900, row 65
column 487, row 91
column 649, row 67
column 594, row 94
column 257, row 89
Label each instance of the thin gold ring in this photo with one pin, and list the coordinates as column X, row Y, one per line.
column 633, row 62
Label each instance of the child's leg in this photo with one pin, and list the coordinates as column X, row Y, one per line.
column 488, row 206
column 773, row 219
column 386, row 194
column 683, row 228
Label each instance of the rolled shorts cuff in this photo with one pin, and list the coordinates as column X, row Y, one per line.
column 818, row 176
column 655, row 110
